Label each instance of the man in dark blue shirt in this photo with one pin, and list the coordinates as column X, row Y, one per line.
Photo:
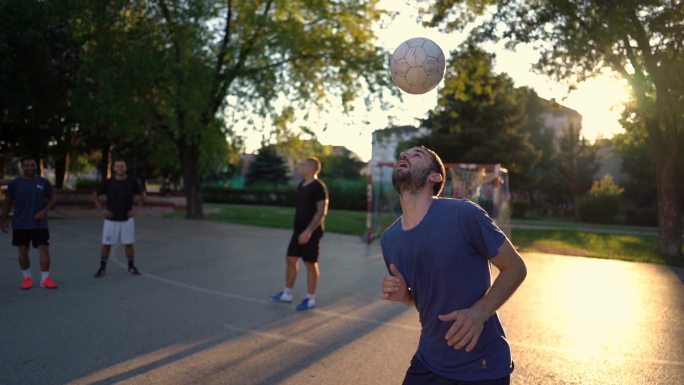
column 30, row 196
column 438, row 254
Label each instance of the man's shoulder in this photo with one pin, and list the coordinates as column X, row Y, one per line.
column 391, row 231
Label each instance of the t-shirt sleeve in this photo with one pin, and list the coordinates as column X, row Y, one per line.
column 137, row 189
column 48, row 189
column 11, row 189
column 483, row 234
column 321, row 192
column 102, row 190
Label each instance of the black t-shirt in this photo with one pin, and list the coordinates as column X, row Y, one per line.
column 120, row 195
column 307, row 197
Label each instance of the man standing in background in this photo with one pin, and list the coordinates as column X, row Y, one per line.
column 115, row 200
column 30, row 196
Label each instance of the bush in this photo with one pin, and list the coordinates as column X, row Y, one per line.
column 86, row 184
column 597, row 209
column 276, row 196
column 519, row 208
column 641, row 217
column 602, row 203
column 344, row 195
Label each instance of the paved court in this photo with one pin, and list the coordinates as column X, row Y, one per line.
column 200, row 315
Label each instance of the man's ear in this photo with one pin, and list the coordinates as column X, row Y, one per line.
column 435, row 177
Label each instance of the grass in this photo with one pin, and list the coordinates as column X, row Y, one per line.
column 571, row 240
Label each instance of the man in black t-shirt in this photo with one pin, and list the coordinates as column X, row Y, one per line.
column 115, row 199
column 310, row 211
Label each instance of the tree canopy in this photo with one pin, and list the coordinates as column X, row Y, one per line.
column 639, row 39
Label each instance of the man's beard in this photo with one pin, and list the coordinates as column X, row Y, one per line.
column 405, row 180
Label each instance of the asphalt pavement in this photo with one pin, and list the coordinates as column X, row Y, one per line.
column 200, row 314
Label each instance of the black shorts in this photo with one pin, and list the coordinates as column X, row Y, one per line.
column 309, row 250
column 418, row 374
column 23, row 237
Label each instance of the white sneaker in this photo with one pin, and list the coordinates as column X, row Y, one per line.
column 282, row 297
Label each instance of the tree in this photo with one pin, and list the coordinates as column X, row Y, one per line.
column 267, row 168
column 638, row 39
column 256, row 51
column 38, row 64
column 479, row 115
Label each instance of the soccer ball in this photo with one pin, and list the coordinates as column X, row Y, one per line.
column 417, row 65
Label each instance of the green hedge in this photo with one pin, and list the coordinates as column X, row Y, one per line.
column 344, row 195
column 597, row 209
column 519, row 208
column 641, row 217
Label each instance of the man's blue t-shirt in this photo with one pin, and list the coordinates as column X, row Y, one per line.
column 29, row 196
column 445, row 261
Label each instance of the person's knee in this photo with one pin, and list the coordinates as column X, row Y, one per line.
column 311, row 265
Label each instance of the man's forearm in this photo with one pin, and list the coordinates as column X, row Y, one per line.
column 6, row 205
column 50, row 204
column 503, row 287
column 315, row 221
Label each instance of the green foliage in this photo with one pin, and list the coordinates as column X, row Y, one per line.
column 87, row 184
column 347, row 194
column 639, row 40
column 606, row 187
column 602, row 203
column 479, row 115
column 519, row 208
column 268, row 168
column 259, row 195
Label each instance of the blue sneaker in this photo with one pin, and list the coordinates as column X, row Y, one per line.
column 306, row 304
column 282, row 297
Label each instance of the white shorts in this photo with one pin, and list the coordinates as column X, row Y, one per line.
column 114, row 232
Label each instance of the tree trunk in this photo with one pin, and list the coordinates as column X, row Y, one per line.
column 669, row 206
column 192, row 181
column 103, row 168
column 61, row 170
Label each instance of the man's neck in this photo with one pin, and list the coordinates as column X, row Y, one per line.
column 414, row 206
column 120, row 177
column 309, row 179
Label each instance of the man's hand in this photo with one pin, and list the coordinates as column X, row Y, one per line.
column 304, row 237
column 40, row 215
column 466, row 329
column 4, row 226
column 106, row 213
column 394, row 286
column 132, row 212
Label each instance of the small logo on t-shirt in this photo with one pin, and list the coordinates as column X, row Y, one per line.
column 484, row 364
column 40, row 186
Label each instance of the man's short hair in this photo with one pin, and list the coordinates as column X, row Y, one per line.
column 28, row 157
column 315, row 162
column 438, row 167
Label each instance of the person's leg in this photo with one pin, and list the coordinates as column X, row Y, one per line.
column 41, row 238
column 310, row 257
column 128, row 239
column 22, row 239
column 25, row 265
column 107, row 240
column 24, row 261
column 44, row 252
column 45, row 280
column 130, row 257
column 291, row 271
column 313, row 276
